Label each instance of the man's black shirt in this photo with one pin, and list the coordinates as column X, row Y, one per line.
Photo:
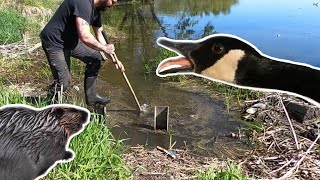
column 61, row 30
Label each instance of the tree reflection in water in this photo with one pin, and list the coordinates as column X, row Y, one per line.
column 141, row 17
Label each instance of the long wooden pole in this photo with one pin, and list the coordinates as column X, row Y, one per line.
column 115, row 58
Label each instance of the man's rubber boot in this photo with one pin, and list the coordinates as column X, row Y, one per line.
column 92, row 98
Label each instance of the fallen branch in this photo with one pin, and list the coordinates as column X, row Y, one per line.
column 36, row 46
column 285, row 165
column 290, row 123
column 152, row 174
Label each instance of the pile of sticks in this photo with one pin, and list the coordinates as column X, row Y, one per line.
column 284, row 151
column 18, row 49
column 155, row 164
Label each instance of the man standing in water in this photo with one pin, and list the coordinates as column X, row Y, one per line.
column 68, row 34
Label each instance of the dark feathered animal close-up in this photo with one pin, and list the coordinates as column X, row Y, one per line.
column 231, row 60
column 33, row 141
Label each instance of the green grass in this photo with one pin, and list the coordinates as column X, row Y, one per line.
column 12, row 25
column 150, row 66
column 77, row 68
column 41, row 3
column 232, row 172
column 171, row 144
column 97, row 155
column 10, row 96
column 234, row 95
column 254, row 125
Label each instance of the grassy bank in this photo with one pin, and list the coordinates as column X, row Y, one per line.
column 98, row 153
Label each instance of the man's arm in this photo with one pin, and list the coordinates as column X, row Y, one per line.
column 87, row 38
column 98, row 33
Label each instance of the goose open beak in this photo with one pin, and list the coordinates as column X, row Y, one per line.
column 182, row 63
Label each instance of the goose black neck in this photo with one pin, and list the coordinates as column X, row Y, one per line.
column 271, row 74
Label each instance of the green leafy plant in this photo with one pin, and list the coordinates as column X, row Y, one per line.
column 171, row 144
column 10, row 96
column 231, row 172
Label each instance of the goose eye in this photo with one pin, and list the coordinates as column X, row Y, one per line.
column 217, row 48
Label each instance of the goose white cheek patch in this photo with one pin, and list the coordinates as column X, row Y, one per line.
column 168, row 67
column 20, row 143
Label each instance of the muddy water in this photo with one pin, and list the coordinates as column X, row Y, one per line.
column 197, row 120
column 197, row 117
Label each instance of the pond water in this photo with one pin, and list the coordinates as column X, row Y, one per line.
column 286, row 29
column 283, row 29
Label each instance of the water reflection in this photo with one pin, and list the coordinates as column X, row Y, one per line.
column 186, row 19
column 195, row 8
column 284, row 29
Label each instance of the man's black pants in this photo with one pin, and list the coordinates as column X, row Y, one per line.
column 59, row 61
